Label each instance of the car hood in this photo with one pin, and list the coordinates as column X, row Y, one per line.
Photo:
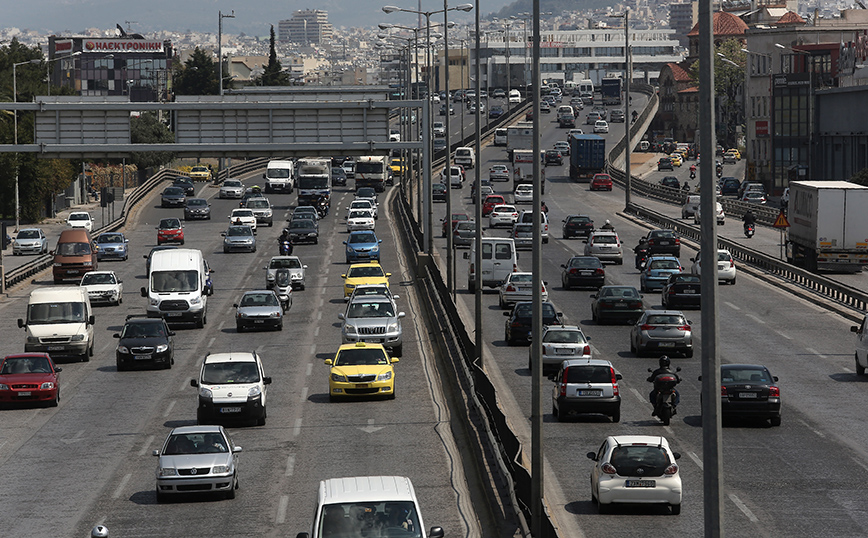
column 151, row 341
column 29, row 379
column 238, row 238
column 28, row 242
column 116, row 246
column 56, row 329
column 233, row 391
column 186, row 461
column 305, row 230
column 362, row 246
column 372, row 322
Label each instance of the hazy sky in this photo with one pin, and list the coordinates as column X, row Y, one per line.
column 71, row 17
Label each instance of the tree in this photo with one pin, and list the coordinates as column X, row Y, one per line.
column 196, row 76
column 147, row 129
column 728, row 87
column 860, row 177
column 273, row 75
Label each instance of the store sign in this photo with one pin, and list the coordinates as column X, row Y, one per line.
column 63, row 45
column 762, row 129
column 122, row 45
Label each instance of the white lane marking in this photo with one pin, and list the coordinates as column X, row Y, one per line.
column 296, row 430
column 259, row 349
column 105, row 348
column 695, row 459
column 813, row 351
column 784, row 335
column 864, row 466
column 281, row 508
column 756, row 319
column 290, row 465
column 145, row 446
column 669, row 430
column 638, row 395
column 308, row 372
column 211, row 341
column 169, row 408
column 805, row 424
column 122, row 485
column 729, row 304
column 220, row 327
column 316, row 332
column 321, row 302
column 313, row 350
column 304, row 394
column 322, row 290
column 849, row 371
column 741, row 506
column 319, row 316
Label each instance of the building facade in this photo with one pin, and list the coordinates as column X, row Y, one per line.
column 682, row 19
column 307, row 27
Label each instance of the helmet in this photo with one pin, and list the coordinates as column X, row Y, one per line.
column 99, row 531
column 607, row 221
column 664, row 362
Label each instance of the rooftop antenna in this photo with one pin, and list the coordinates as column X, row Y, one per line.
column 129, row 23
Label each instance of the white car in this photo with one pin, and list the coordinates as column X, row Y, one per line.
column 456, row 178
column 523, row 194
column 360, row 219
column 606, row 246
column 231, row 188
column 518, row 287
column 30, row 241
column 498, row 172
column 572, row 132
column 502, row 215
column 103, row 287
column 363, row 203
column 726, row 270
column 601, row 126
column 292, row 264
column 439, row 129
column 561, row 343
column 80, row 219
column 243, row 216
column 721, row 216
column 638, row 469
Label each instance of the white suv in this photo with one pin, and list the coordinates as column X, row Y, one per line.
column 586, row 386
column 232, row 388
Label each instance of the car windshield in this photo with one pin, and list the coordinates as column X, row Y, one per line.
column 238, row 231
column 643, row 460
column 587, row 263
column 223, row 373
column 361, row 357
column 98, row 278
column 578, row 220
column 688, row 279
column 196, row 202
column 355, row 520
column 79, row 216
column 363, row 238
column 629, row 293
column 170, row 224
column 564, row 337
column 662, row 234
column 663, row 264
column 231, row 183
column 28, row 234
column 357, row 272
column 360, row 214
column 284, row 263
column 370, row 310
column 242, row 213
column 366, row 192
column 744, row 375
column 174, row 281
column 589, row 374
column 143, row 330
column 173, row 191
column 48, row 313
column 361, row 204
column 195, row 443
column 521, row 277
column 257, row 204
column 605, row 239
column 301, row 224
column 26, row 365
column 73, row 249
column 110, row 238
column 665, row 319
column 259, row 299
column 467, row 225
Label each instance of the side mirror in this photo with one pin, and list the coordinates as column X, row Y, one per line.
column 57, row 370
column 618, row 376
column 145, row 256
column 593, row 296
column 20, row 323
column 91, row 320
column 345, row 242
column 194, row 383
column 506, row 314
column 155, row 453
column 235, row 305
column 143, row 291
column 592, row 456
column 466, row 255
column 236, row 449
column 650, row 370
column 116, row 335
column 401, row 315
column 774, row 377
column 341, row 316
column 854, row 329
column 266, row 380
column 328, row 361
column 676, row 455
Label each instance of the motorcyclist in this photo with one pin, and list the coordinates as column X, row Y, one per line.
column 543, row 207
column 322, row 205
column 664, row 368
column 685, row 187
column 641, row 250
column 608, row 226
column 284, row 238
column 749, row 218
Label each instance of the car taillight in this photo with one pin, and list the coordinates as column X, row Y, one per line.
column 514, row 268
column 723, row 392
column 599, row 271
column 471, row 268
column 652, row 241
column 608, row 468
column 646, row 327
column 563, row 391
column 774, row 392
column 684, row 327
column 731, row 263
column 510, row 288
column 636, row 304
column 672, row 469
column 586, row 350
column 574, row 271
column 677, row 241
column 515, row 324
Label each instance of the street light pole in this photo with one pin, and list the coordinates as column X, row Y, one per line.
column 220, row 17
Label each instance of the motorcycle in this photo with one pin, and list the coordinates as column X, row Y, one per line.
column 693, row 172
column 322, row 208
column 667, row 396
column 642, row 259
column 719, row 171
column 283, row 288
column 286, row 247
column 749, row 230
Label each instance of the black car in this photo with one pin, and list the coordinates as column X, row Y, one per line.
column 145, row 341
column 439, row 144
column 518, row 323
column 7, row 241
column 665, row 163
column 303, row 231
column 682, row 289
column 749, row 391
column 186, row 184
column 583, row 272
column 617, row 303
column 197, row 208
column 369, row 193
column 496, row 112
column 577, row 226
column 438, row 192
column 670, row 181
column 663, row 242
column 553, row 156
column 173, row 197
column 339, row 177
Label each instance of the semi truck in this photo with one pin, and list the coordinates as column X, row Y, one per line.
column 610, row 90
column 314, row 178
column 828, row 226
column 587, row 156
column 519, row 136
column 372, row 171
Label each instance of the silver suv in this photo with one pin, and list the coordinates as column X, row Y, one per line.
column 296, row 271
column 586, row 386
column 261, row 210
column 560, row 343
column 373, row 319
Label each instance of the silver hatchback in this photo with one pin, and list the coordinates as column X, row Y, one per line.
column 606, row 246
column 197, row 459
column 586, row 386
column 561, row 343
column 662, row 332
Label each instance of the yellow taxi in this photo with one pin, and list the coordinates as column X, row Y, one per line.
column 677, row 160
column 200, row 173
column 364, row 273
column 397, row 166
column 361, row 369
column 734, row 152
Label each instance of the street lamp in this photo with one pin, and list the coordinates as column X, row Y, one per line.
column 15, row 135
column 220, row 17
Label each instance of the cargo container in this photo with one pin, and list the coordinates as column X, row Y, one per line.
column 587, row 156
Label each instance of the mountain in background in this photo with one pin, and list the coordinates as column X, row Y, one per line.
column 556, row 7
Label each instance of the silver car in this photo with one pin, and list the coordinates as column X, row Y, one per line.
column 560, row 343
column 522, row 235
column 258, row 309
column 373, row 319
column 662, row 331
column 30, row 241
column 464, row 233
column 239, row 237
column 364, row 203
column 606, row 246
column 586, row 386
column 231, row 188
column 197, row 459
column 296, row 270
column 519, row 287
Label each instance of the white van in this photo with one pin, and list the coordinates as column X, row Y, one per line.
column 499, row 259
column 179, row 284
column 279, row 176
column 526, row 217
column 514, row 96
column 465, row 156
column 59, row 322
column 500, row 136
column 386, row 505
column 586, row 86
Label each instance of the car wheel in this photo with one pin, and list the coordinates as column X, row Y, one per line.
column 231, row 493
column 566, row 284
column 676, row 509
column 225, row 250
column 391, row 396
column 556, row 412
column 161, row 498
column 239, row 328
column 120, row 367
column 56, row 401
column 860, row 370
column 566, row 236
column 280, row 327
column 201, row 322
column 261, row 420
column 732, row 282
column 616, row 416
column 602, row 508
column 775, row 421
column 502, row 304
column 545, row 240
column 398, row 351
column 688, row 354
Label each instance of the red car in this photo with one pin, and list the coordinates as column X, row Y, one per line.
column 601, row 182
column 490, row 201
column 29, row 377
column 456, row 218
column 170, row 231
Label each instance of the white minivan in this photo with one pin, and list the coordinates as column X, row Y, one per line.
column 179, row 284
column 378, row 505
column 59, row 322
column 499, row 259
column 500, row 136
column 514, row 96
column 279, row 176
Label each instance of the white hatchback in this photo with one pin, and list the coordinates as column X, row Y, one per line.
column 502, row 215
column 103, row 287
column 606, row 246
column 601, row 126
column 725, row 266
column 523, row 194
column 80, row 219
column 243, row 216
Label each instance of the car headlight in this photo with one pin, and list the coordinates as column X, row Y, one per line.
column 240, row 314
column 205, row 392
column 220, row 469
column 350, row 249
column 77, row 338
column 350, row 329
column 4, row 387
column 161, row 348
column 167, row 471
column 275, row 314
column 339, row 378
column 123, row 349
column 392, row 327
column 385, row 376
column 195, row 300
column 376, row 248
column 350, row 286
column 32, row 339
column 154, row 301
column 47, row 385
column 254, row 391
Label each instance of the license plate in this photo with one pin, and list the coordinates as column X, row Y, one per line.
column 362, row 386
column 523, row 288
column 589, row 393
column 563, row 351
column 72, row 271
column 586, row 273
column 689, row 290
column 258, row 321
column 664, row 243
column 173, row 314
column 641, row 483
column 230, row 409
column 55, row 348
column 747, row 395
column 666, row 344
column 24, row 394
column 142, row 357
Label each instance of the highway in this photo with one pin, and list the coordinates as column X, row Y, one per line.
column 775, row 479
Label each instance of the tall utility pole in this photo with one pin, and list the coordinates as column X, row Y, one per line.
column 628, row 74
column 221, row 16
column 447, row 223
